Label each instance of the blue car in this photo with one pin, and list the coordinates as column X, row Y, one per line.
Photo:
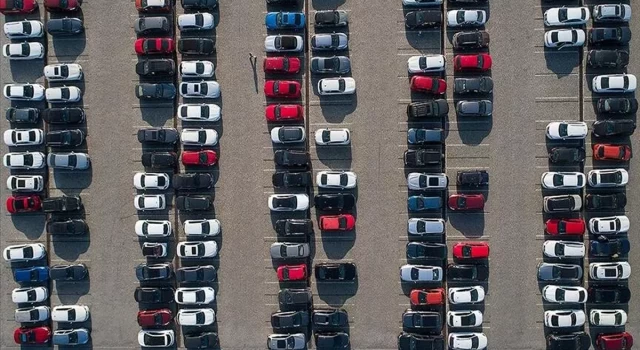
column 422, row 203
column 31, row 274
column 284, row 20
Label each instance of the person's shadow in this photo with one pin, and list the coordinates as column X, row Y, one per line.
column 253, row 60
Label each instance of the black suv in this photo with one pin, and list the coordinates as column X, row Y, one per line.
column 425, row 321
column 207, row 340
column 457, row 272
column 156, row 67
column 335, row 272
column 64, row 26
column 151, row 25
column 294, row 227
column 67, row 227
column 191, row 203
column 473, row 178
column 335, row 201
column 423, row 250
column 61, row 204
column 409, row 341
column 422, row 157
column 199, row 4
column 290, row 299
column 192, row 181
column 471, row 40
column 566, row 155
column 191, row 274
column 158, row 135
column 65, row 115
column 609, row 295
column 423, row 19
column 163, row 91
column 429, row 109
column 576, row 340
column 153, row 295
column 613, row 201
column 291, row 158
column 285, row 179
column 196, row 46
column 74, row 272
column 611, row 127
column 65, row 138
column 617, row 105
column 608, row 58
column 27, row 115
column 479, row 85
column 620, row 35
column 158, row 160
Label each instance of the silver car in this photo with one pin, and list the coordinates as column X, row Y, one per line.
column 76, row 336
column 32, row 314
column 332, row 41
column 69, row 161
column 287, row 250
column 419, row 226
column 296, row 341
column 330, row 65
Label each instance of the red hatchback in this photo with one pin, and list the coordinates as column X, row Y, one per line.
column 480, row 62
column 463, row 202
column 150, row 318
column 206, row 157
column 565, row 226
column 61, row 5
column 153, row 5
column 154, row 46
column 343, row 222
column 617, row 341
column 471, row 250
column 9, row 7
column 423, row 297
column 611, row 152
column 292, row 272
column 281, row 65
column 23, row 204
column 35, row 335
column 428, row 85
column 282, row 88
column 283, row 113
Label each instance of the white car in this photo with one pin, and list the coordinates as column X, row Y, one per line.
column 204, row 112
column 203, row 89
column 197, row 69
column 566, row 16
column 63, row 94
column 63, row 72
column 563, row 249
column 204, row 249
column 195, row 295
column 151, row 181
column 608, row 178
column 196, row 21
column 614, row 83
column 420, row 273
column 612, row 13
column 336, row 179
column 283, row 43
column 466, row 295
column 328, row 137
column 564, row 318
column 24, row 160
column 336, row 86
column 23, row 137
column 422, row 2
column 563, row 180
column 199, row 137
column 24, row 92
column 467, row 341
column 464, row 319
column 23, row 51
column 288, row 202
column 23, row 29
column 420, row 227
column 32, row 314
column 465, row 18
column 607, row 317
column 426, row 63
column 564, row 294
column 610, row 271
column 288, row 134
column 70, row 313
column 149, row 202
column 24, row 252
column 609, row 225
column 202, row 228
column 156, row 338
column 25, row 183
column 561, row 38
column 423, row 181
column 29, row 295
column 567, row 130
column 195, row 317
column 153, row 228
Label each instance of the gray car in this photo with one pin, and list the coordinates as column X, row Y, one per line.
column 559, row 272
column 330, row 65
column 289, row 250
column 482, row 108
column 331, row 18
column 69, row 161
column 331, row 41
column 151, row 25
column 64, row 26
column 76, row 336
column 296, row 341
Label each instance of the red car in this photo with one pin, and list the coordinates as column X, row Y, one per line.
column 292, row 272
column 23, row 204
column 206, row 157
column 283, row 113
column 480, row 62
column 150, row 318
column 611, row 152
column 423, row 297
column 617, row 341
column 154, row 46
column 9, row 7
column 471, row 250
column 61, row 5
column 565, row 226
column 463, row 202
column 35, row 335
column 282, row 88
column 428, row 85
column 343, row 222
column 281, row 65
column 153, row 5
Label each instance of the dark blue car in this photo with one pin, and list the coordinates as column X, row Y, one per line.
column 609, row 247
column 422, row 203
column 31, row 274
column 284, row 20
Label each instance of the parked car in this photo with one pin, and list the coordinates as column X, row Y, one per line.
column 199, row 158
column 428, row 109
column 466, row 18
column 295, row 341
column 14, row 7
column 24, row 92
column 65, row 138
column 199, row 4
column 609, row 152
column 23, row 29
column 611, row 248
column 334, row 201
column 575, row 340
column 292, row 272
column 64, row 115
column 426, row 64
column 64, row 26
column 27, row 115
column 563, row 180
column 475, row 108
column 610, row 35
column 336, row 179
column 329, row 42
column 330, row 65
column 464, row 319
column 330, row 18
column 23, row 51
column 153, row 295
column 32, row 314
column 289, row 298
column 284, row 113
column 202, row 227
column 61, row 204
column 611, row 13
column 423, row 19
column 477, row 85
column 70, row 313
column 203, row 89
column 199, row 137
column 288, row 134
column 287, row 250
column 465, row 202
column 23, row 204
column 622, row 340
column 282, row 64
column 286, row 179
column 335, row 272
column 149, row 202
column 477, row 39
column 614, row 201
column 615, row 59
column 420, row 273
column 196, row 22
column 422, row 136
column 566, row 154
column 613, row 127
column 204, row 249
column 422, row 157
column 193, row 203
column 29, row 295
column 155, row 317
column 471, row 250
column 67, row 227
column 608, row 178
column 552, row 272
column 156, row 338
column 283, row 320
column 154, row 181
column 466, row 295
column 203, row 112
column 614, row 83
column 564, row 318
column 283, row 43
column 425, row 181
column 154, row 46
column 426, row 297
column 25, row 183
column 459, row 272
column 291, row 158
column 422, row 321
column 423, row 250
column 154, row 249
column 563, row 249
column 160, row 67
column 151, row 25
column 282, row 89
column 293, row 227
column 284, row 20
column 68, row 272
column 329, row 318
column 566, row 16
column 197, row 69
column 196, row 46
column 561, row 38
column 192, row 181
column 193, row 274
column 607, row 318
column 62, row 5
column 32, row 335
column 562, row 203
column 467, row 341
column 330, row 137
column 153, row 6
column 423, row 203
column 565, row 226
column 33, row 274
column 153, row 272
column 153, row 228
column 342, row 222
column 472, row 178
column 428, row 85
column 423, row 226
column 288, row 202
column 475, row 62
column 23, row 160
column 617, row 105
column 609, row 224
column 336, row 86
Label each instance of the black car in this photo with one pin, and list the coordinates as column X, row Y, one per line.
column 162, row 91
column 409, row 341
column 479, row 85
column 294, row 227
column 206, row 273
column 158, row 135
column 423, row 19
column 422, row 250
column 471, row 40
column 158, row 160
column 291, row 158
column 617, row 105
column 191, row 203
column 61, row 204
column 334, row 201
column 151, row 25
column 329, row 318
column 609, row 247
column 331, row 341
column 192, row 181
column 64, row 138
column 566, row 155
column 429, row 109
column 335, row 272
column 329, row 18
column 422, row 321
column 206, row 340
column 282, row 2
column 152, row 272
column 612, row 201
column 289, row 299
column 156, row 67
column 65, row 115
column 285, row 179
column 283, row 320
column 467, row 1
column 75, row 272
column 458, row 272
column 608, row 58
column 330, row 65
column 473, row 178
column 199, row 4
column 609, row 295
column 620, row 35
column 422, row 157
column 64, row 26
column 573, row 341
column 611, row 127
column 196, row 46
column 67, row 227
column 153, row 295
column 27, row 115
